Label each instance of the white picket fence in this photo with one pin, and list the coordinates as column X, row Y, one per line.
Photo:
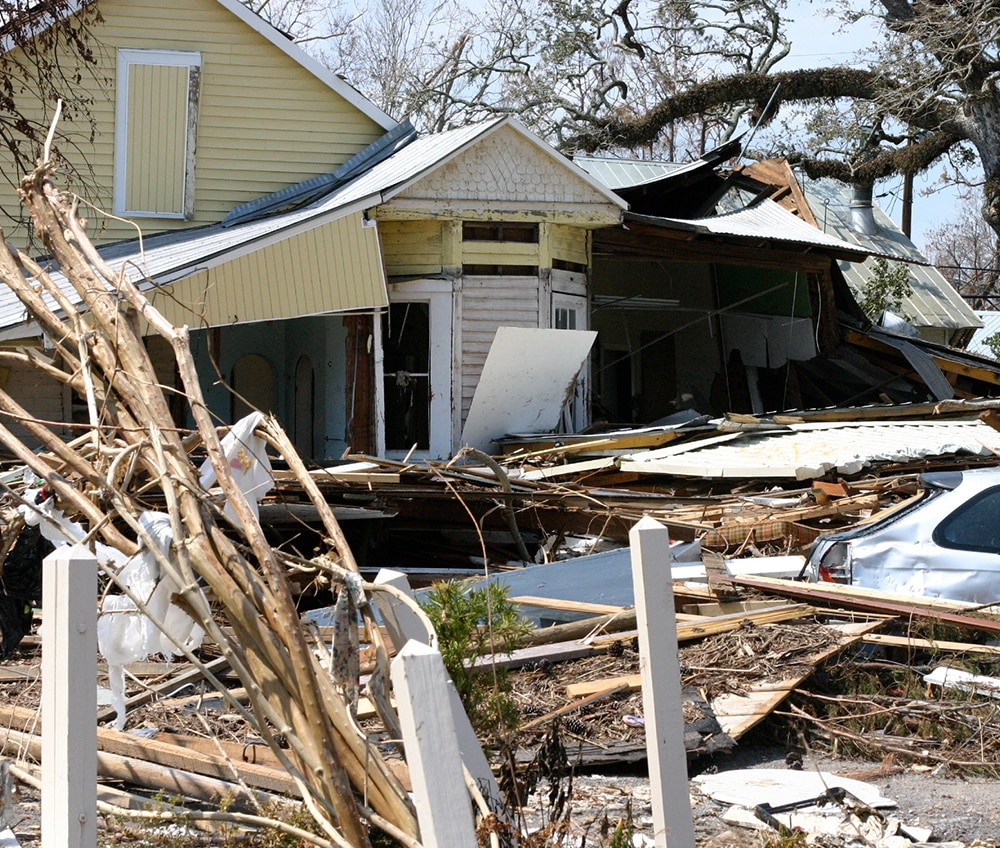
column 441, row 748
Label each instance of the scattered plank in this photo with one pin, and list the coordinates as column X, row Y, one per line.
column 190, row 674
column 566, row 606
column 930, row 644
column 739, row 713
column 874, row 601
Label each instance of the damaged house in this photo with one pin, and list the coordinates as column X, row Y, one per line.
column 761, row 273
column 351, row 277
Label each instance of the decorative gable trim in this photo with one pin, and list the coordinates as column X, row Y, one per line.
column 506, row 171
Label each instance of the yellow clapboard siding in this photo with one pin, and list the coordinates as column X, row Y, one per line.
column 333, row 267
column 499, row 253
column 411, row 247
column 569, row 244
column 264, row 121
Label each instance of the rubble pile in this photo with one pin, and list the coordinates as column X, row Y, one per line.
column 236, row 609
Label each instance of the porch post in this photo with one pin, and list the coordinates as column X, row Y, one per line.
column 69, row 698
column 663, row 706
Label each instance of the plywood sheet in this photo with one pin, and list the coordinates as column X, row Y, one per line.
column 528, row 375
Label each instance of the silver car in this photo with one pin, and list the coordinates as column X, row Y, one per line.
column 945, row 544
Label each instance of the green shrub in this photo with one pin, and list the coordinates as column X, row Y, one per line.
column 471, row 622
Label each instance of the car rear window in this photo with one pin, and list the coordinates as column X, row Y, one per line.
column 974, row 526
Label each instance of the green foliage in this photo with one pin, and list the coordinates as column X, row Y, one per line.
column 470, row 623
column 888, row 287
column 992, row 341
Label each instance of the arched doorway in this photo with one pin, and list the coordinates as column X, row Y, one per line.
column 303, row 433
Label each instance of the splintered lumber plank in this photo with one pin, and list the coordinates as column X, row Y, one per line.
column 614, row 623
column 739, row 713
column 533, row 654
column 10, row 674
column 694, row 628
column 873, row 600
column 325, row 475
column 930, row 644
column 991, row 417
column 623, row 683
column 567, row 606
column 253, row 753
column 149, row 775
column 710, row 625
column 762, row 694
column 724, row 623
column 571, row 469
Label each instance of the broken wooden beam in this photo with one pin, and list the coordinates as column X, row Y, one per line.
column 874, row 601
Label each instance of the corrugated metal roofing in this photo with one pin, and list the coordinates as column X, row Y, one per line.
column 623, row 174
column 764, row 220
column 627, row 173
column 806, row 451
column 171, row 256
column 991, row 325
column 933, row 303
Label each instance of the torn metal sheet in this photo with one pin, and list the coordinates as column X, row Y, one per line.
column 604, row 578
column 807, row 451
column 956, row 678
column 528, row 376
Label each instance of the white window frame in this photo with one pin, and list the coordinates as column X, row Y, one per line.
column 576, row 415
column 127, row 57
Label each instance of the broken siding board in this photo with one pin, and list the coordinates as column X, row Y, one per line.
column 571, row 244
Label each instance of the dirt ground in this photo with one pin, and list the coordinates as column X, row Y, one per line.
column 958, row 810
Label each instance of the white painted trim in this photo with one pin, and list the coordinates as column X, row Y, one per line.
column 438, row 294
column 298, row 55
column 662, row 702
column 127, row 57
column 284, row 44
column 444, row 809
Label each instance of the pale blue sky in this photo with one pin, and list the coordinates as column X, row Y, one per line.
column 817, row 39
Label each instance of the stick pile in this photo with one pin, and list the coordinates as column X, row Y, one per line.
column 131, row 448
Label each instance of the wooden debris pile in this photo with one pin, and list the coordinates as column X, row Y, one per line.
column 129, row 460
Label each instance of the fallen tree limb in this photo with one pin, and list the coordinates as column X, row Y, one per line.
column 98, row 334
